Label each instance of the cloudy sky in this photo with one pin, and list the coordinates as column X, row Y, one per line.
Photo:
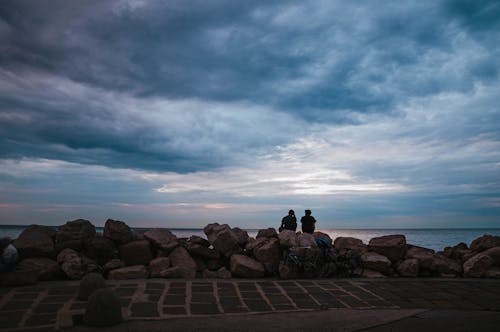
column 180, row 113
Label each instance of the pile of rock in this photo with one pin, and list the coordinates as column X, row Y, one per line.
column 76, row 249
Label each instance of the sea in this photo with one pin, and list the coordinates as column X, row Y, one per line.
column 433, row 238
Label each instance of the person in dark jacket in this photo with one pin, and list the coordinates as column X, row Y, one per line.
column 289, row 222
column 308, row 222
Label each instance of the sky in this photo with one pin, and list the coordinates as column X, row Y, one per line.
column 372, row 114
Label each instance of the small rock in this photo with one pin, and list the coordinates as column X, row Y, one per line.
column 103, row 309
column 136, row 252
column 223, row 239
column 162, row 239
column 408, row 268
column 72, row 264
column 129, row 272
column 89, row 284
column 268, row 252
column 376, row 262
column 180, row 258
column 268, row 232
column 118, row 231
column 158, row 265
column 246, row 267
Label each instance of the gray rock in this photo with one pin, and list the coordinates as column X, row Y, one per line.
column 485, row 242
column 268, row 232
column 74, row 234
column 35, row 241
column 113, row 265
column 103, row 309
column 180, row 258
column 202, row 251
column 100, row 249
column 136, row 252
column 89, row 284
column 72, row 264
column 241, row 235
column 268, row 252
column 129, row 272
column 222, row 239
column 246, row 267
column 288, row 238
column 344, row 244
column 194, row 239
column 158, row 265
column 47, row 268
column 391, row 246
column 162, row 239
column 376, row 262
column 307, row 240
column 118, row 231
column 408, row 268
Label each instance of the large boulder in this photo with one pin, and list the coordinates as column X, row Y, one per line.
column 158, row 265
column 136, row 252
column 129, row 272
column 445, row 267
column 113, row 265
column 72, row 264
column 89, row 284
column 195, row 239
column 306, row 240
column 101, row 249
column 268, row 252
column 241, row 235
column 35, row 241
column 118, row 231
column 408, row 268
column 246, row 267
column 345, row 244
column 74, row 234
column 288, row 238
column 458, row 252
column 424, row 256
column 180, row 258
column 47, row 268
column 485, row 242
column 162, row 239
column 222, row 239
column 478, row 265
column 199, row 250
column 103, row 309
column 222, row 273
column 391, row 246
column 375, row 262
column 268, row 232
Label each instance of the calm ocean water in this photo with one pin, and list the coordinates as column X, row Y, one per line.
column 435, row 239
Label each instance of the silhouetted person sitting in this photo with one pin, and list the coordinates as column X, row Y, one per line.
column 308, row 222
column 289, row 222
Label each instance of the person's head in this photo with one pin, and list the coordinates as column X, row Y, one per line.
column 291, row 213
column 308, row 212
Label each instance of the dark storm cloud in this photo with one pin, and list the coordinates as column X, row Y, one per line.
column 295, row 61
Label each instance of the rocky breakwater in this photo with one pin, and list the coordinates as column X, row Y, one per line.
column 76, row 250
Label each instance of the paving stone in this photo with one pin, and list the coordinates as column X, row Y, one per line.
column 63, row 290
column 202, row 288
column 41, row 319
column 235, row 309
column 144, row 309
column 251, row 295
column 78, row 305
column 257, row 305
column 277, row 299
column 306, row 304
column 155, row 285
column 11, row 319
column 125, row 292
column 204, row 309
column 57, row 298
column 154, row 297
column 17, row 305
column 178, row 284
column 203, row 298
column 35, row 289
column 25, row 296
column 179, row 291
column 174, row 311
column 47, row 308
column 227, row 302
column 248, row 287
column 283, row 307
column 174, row 300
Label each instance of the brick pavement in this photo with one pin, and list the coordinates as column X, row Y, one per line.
column 53, row 305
